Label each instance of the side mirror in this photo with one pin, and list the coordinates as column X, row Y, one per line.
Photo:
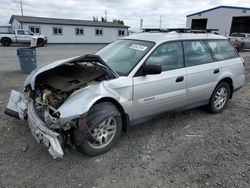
column 151, row 69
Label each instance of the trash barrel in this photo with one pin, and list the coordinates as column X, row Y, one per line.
column 27, row 59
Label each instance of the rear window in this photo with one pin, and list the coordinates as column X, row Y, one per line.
column 237, row 35
column 222, row 50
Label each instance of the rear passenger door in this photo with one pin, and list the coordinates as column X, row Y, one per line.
column 20, row 36
column 201, row 72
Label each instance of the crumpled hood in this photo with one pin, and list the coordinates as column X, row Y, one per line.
column 31, row 79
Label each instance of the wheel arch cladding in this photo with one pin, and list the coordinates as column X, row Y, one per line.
column 125, row 117
column 230, row 83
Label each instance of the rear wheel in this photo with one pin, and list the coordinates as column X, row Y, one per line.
column 6, row 42
column 241, row 47
column 105, row 125
column 219, row 98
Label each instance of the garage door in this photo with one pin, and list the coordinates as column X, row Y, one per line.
column 240, row 24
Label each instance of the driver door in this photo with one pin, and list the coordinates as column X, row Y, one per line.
column 28, row 36
column 158, row 93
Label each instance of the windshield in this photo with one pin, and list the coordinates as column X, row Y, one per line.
column 123, row 55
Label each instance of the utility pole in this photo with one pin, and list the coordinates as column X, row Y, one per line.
column 106, row 13
column 21, row 4
column 141, row 23
column 160, row 22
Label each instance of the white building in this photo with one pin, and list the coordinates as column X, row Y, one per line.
column 5, row 28
column 227, row 19
column 69, row 30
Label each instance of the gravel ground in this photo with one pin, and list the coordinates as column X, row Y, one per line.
column 188, row 149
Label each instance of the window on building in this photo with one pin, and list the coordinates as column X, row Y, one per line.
column 98, row 32
column 79, row 31
column 221, row 50
column 57, row 30
column 196, row 53
column 35, row 29
column 121, row 33
column 168, row 55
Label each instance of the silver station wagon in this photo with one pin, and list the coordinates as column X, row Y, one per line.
column 87, row 101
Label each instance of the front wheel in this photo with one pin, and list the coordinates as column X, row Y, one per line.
column 219, row 98
column 105, row 125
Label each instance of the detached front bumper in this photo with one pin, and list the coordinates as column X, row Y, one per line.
column 18, row 106
column 42, row 134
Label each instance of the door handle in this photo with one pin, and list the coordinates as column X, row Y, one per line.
column 216, row 71
column 179, row 79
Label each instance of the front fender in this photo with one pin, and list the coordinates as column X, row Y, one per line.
column 81, row 101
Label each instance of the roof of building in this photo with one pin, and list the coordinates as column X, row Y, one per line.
column 229, row 7
column 163, row 37
column 60, row 21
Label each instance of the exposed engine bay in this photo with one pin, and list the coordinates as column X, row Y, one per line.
column 54, row 86
column 54, row 98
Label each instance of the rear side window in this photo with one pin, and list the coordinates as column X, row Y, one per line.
column 222, row 50
column 196, row 53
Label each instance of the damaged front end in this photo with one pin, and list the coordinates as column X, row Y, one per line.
column 47, row 89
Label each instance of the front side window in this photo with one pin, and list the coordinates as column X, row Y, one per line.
column 123, row 55
column 79, row 31
column 57, row 31
column 28, row 33
column 35, row 29
column 98, row 32
column 168, row 55
column 221, row 50
column 196, row 53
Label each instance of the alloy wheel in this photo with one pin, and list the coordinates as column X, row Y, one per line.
column 104, row 133
column 220, row 98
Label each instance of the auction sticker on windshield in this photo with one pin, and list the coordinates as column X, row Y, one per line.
column 138, row 47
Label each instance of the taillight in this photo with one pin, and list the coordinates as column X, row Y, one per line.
column 243, row 61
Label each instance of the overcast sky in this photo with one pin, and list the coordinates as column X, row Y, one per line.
column 173, row 11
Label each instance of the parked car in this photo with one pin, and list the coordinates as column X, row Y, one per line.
column 21, row 36
column 240, row 40
column 89, row 100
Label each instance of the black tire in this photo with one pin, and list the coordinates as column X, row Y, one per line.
column 6, row 42
column 212, row 106
column 40, row 42
column 241, row 47
column 99, row 113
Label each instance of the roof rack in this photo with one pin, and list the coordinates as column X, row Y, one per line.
column 180, row 30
